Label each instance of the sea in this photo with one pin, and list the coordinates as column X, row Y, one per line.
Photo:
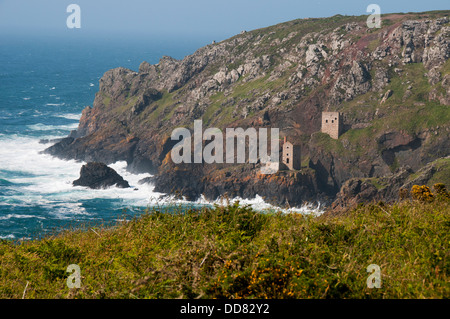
column 45, row 82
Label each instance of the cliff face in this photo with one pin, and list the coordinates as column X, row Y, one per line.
column 392, row 85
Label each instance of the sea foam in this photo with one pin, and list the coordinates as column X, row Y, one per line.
column 40, row 186
column 43, row 127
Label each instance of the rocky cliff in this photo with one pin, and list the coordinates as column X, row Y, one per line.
column 392, row 85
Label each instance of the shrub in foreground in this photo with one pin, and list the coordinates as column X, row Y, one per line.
column 236, row 252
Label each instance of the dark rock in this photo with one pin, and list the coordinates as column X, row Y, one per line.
column 74, row 134
column 144, row 100
column 60, row 146
column 147, row 180
column 357, row 191
column 98, row 175
column 48, row 141
column 354, row 192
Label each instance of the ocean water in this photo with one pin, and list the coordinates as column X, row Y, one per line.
column 44, row 84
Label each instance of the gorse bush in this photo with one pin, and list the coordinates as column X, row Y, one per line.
column 236, row 252
column 441, row 190
column 422, row 193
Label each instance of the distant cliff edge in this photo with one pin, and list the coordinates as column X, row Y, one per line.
column 391, row 85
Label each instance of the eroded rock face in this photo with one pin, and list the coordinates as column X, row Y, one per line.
column 353, row 192
column 281, row 77
column 362, row 191
column 352, row 83
column 97, row 175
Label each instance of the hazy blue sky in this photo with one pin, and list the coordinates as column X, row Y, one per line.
column 199, row 18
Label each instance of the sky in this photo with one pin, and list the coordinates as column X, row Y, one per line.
column 216, row 20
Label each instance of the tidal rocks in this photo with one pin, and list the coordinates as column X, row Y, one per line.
column 97, row 175
column 60, row 146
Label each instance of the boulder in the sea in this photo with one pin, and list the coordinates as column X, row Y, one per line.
column 146, row 180
column 98, row 175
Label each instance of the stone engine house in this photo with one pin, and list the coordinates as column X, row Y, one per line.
column 332, row 124
column 291, row 155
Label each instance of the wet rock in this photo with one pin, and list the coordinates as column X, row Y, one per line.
column 97, row 175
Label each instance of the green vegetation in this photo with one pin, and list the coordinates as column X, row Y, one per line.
column 327, row 143
column 106, row 99
column 373, row 45
column 376, row 182
column 248, row 89
column 220, row 112
column 412, row 113
column 412, row 74
column 214, row 108
column 164, row 105
column 442, row 173
column 235, row 252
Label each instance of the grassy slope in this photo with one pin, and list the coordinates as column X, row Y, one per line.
column 412, row 114
column 218, row 112
column 236, row 252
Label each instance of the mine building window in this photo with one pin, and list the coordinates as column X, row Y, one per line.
column 332, row 121
column 287, row 160
column 326, row 121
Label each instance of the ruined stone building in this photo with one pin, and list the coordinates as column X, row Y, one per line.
column 291, row 155
column 332, row 124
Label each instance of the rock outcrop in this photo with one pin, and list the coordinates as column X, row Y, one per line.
column 98, row 175
column 356, row 191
